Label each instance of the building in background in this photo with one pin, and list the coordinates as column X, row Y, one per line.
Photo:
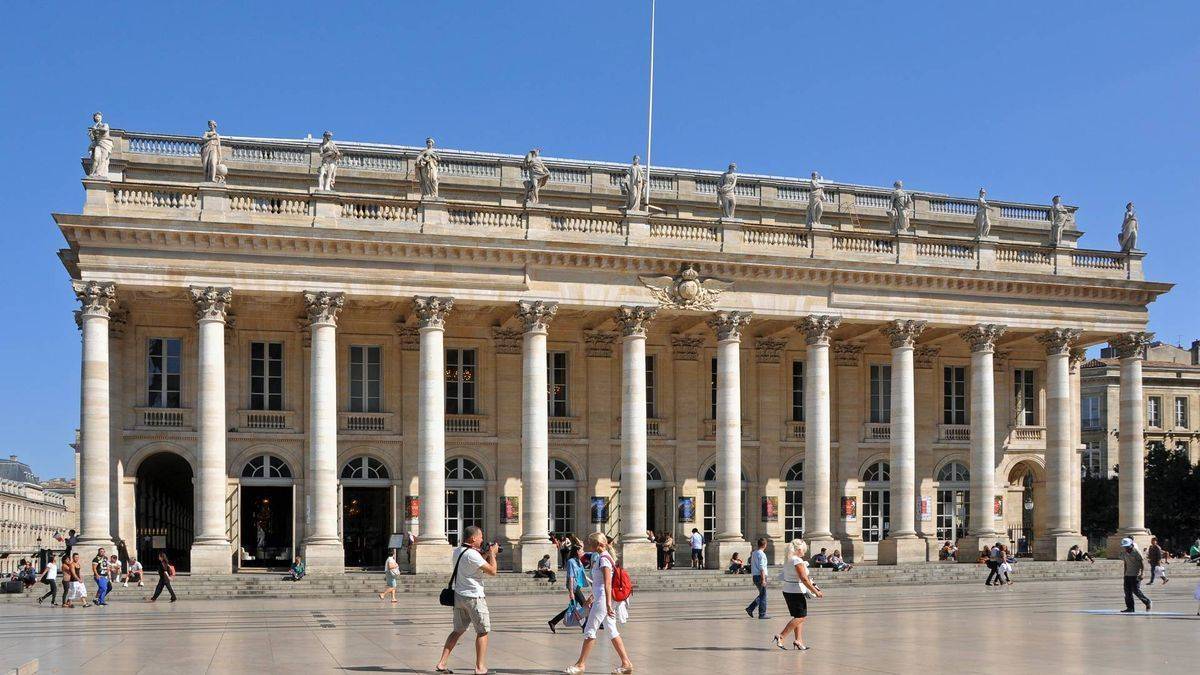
column 1170, row 398
column 31, row 514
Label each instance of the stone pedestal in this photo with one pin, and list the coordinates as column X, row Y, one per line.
column 327, row 210
column 527, row 554
column 432, row 557
column 322, row 557
column 853, row 550
column 99, row 197
column 969, row 547
column 212, row 559
column 433, row 214
column 214, row 202
column 637, row 227
column 639, row 554
column 718, row 553
column 894, row 551
column 1113, row 545
column 1055, row 547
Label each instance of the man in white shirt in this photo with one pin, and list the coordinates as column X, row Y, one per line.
column 758, row 572
column 470, row 606
column 697, row 541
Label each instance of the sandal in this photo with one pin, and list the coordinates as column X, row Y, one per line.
column 438, row 669
column 778, row 642
column 800, row 647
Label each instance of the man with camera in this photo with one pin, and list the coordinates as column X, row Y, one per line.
column 470, row 606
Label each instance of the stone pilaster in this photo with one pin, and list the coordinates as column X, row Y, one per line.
column 902, row 544
column 981, row 338
column 1131, row 518
column 636, row 551
column 535, row 436
column 97, row 300
column 323, row 551
column 729, row 536
column 432, row 552
column 817, row 509
column 211, row 552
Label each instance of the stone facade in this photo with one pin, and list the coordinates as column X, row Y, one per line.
column 337, row 366
column 31, row 514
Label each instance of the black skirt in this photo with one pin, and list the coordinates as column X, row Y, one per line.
column 797, row 604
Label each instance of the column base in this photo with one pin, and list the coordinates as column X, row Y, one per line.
column 212, row 558
column 1142, row 539
column 853, row 549
column 639, row 554
column 895, row 551
column 1055, row 546
column 970, row 546
column 323, row 557
column 432, row 557
column 527, row 554
column 717, row 553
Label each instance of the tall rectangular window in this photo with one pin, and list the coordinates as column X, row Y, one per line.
column 712, row 390
column 1154, row 412
column 266, row 376
column 954, row 395
column 1090, row 466
column 881, row 394
column 461, row 377
column 651, row 388
column 797, row 392
column 556, row 384
column 1089, row 413
column 1025, row 393
column 1181, row 412
column 364, row 378
column 163, row 368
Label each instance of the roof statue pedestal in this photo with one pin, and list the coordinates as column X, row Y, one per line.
column 214, row 202
column 98, row 197
column 434, row 216
column 327, row 207
column 637, row 227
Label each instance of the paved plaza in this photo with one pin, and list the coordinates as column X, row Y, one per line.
column 1066, row 626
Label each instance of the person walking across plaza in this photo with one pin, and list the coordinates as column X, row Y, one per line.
column 797, row 586
column 166, row 572
column 391, row 574
column 697, row 541
column 577, row 602
column 1135, row 566
column 758, row 572
column 78, row 589
column 1156, row 558
column 604, row 612
column 995, row 556
column 100, row 576
column 49, row 577
column 470, row 605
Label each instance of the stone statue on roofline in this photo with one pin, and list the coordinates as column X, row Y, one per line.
column 900, row 211
column 539, row 175
column 1129, row 230
column 100, row 146
column 1059, row 217
column 210, row 155
column 726, row 199
column 427, row 170
column 330, row 154
column 634, row 186
column 983, row 219
column 816, row 201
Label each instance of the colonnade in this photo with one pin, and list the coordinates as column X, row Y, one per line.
column 322, row 546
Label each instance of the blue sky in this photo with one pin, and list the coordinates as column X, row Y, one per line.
column 1098, row 101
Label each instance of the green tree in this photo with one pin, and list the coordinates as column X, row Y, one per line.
column 1172, row 497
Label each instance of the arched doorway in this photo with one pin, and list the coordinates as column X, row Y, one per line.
column 876, row 506
column 709, row 522
column 464, row 497
column 793, row 502
column 267, row 496
column 953, row 501
column 165, row 509
column 1023, row 519
column 366, row 521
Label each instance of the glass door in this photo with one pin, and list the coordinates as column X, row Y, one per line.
column 464, row 508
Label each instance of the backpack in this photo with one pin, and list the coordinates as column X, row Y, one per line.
column 622, row 585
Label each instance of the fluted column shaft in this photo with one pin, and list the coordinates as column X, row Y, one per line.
column 1131, row 451
column 211, row 308
column 903, row 429
column 728, row 327
column 321, row 478
column 535, row 434
column 1058, row 441
column 816, row 427
column 97, row 299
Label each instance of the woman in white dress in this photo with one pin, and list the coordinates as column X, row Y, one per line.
column 796, row 587
column 391, row 574
column 604, row 613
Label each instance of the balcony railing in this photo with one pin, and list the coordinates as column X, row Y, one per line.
column 710, row 429
column 164, row 418
column 562, row 426
column 464, row 424
column 655, row 428
column 793, row 430
column 364, row 422
column 875, row 432
column 1029, row 434
column 954, row 433
column 266, row 420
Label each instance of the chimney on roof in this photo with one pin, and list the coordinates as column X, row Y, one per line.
column 1195, row 350
column 12, row 458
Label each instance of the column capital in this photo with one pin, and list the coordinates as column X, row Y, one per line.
column 686, row 347
column 599, row 343
column 982, row 336
column 728, row 325
column 323, row 307
column 847, row 353
column 768, row 349
column 506, row 341
column 536, row 314
column 902, row 332
column 1131, row 345
column 212, row 302
column 1059, row 340
column 633, row 320
column 431, row 310
column 817, row 327
column 96, row 298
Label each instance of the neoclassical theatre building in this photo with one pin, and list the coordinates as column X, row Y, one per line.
column 305, row 347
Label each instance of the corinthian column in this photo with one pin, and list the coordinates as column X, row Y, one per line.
column 97, row 299
column 816, row 331
column 982, row 340
column 1059, row 537
column 322, row 547
column 432, row 553
column 535, row 440
column 1131, row 501
column 210, row 549
column 636, row 551
column 728, row 327
column 902, row 544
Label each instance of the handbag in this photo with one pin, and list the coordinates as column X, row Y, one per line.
column 575, row 616
column 446, row 597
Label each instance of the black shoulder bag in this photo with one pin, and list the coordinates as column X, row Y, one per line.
column 447, row 595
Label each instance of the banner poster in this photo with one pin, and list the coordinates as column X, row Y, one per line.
column 925, row 508
column 687, row 509
column 599, row 510
column 998, row 506
column 510, row 509
column 770, row 509
column 412, row 507
column 850, row 509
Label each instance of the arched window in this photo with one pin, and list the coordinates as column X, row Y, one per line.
column 653, row 473
column 953, row 501
column 364, row 468
column 266, row 466
column 711, row 473
column 562, row 498
column 560, row 470
column 879, row 472
column 793, row 502
column 954, row 472
column 461, row 468
column 877, row 501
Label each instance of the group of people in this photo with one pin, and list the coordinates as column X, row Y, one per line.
column 106, row 572
column 999, row 561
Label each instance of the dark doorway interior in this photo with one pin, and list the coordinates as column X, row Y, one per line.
column 267, row 525
column 365, row 525
column 164, row 510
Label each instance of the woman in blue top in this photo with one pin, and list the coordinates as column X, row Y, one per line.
column 576, row 582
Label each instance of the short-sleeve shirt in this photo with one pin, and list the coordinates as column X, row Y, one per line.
column 758, row 562
column 575, row 571
column 101, row 564
column 599, row 562
column 51, row 571
column 469, row 582
column 135, row 567
column 791, row 579
column 697, row 540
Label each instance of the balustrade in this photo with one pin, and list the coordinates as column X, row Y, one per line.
column 280, row 206
column 170, row 147
column 462, row 167
column 132, row 197
column 464, row 424
column 1099, row 261
column 1023, row 255
column 874, row 432
column 244, row 152
column 560, row 174
column 708, row 186
column 373, row 162
column 561, row 426
column 486, row 218
column 1029, row 433
column 775, row 237
column 955, row 206
column 680, row 230
column 794, row 430
column 874, row 201
column 936, row 249
column 379, row 211
column 163, row 418
column 266, row 420
column 364, row 422
column 860, row 244
column 587, row 224
column 954, row 433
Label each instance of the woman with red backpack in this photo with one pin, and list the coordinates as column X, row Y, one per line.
column 610, row 594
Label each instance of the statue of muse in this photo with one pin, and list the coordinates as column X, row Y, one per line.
column 635, row 186
column 900, row 211
column 427, row 170
column 210, row 155
column 816, row 201
column 1059, row 215
column 539, row 174
column 100, row 146
column 330, row 154
column 1129, row 230
column 725, row 187
column 983, row 219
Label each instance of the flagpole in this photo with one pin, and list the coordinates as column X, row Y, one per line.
column 650, row 111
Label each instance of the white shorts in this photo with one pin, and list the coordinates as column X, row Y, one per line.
column 78, row 591
column 598, row 618
column 1161, row 571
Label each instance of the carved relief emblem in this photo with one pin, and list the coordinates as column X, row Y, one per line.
column 686, row 291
